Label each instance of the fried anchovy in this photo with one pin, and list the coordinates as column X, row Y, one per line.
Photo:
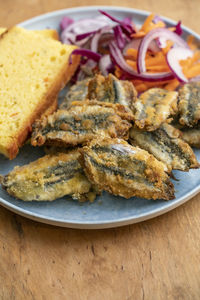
column 111, row 89
column 82, row 122
column 102, row 88
column 192, row 135
column 49, row 178
column 77, row 92
column 121, row 169
column 154, row 107
column 167, row 146
column 189, row 104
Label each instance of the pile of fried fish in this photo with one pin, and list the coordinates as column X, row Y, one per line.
column 106, row 137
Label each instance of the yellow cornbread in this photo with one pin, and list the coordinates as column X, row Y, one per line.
column 48, row 33
column 33, row 69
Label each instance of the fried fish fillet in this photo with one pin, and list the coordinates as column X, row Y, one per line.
column 82, row 122
column 167, row 146
column 189, row 104
column 154, row 107
column 49, row 178
column 104, row 89
column 110, row 89
column 121, row 169
column 77, row 92
column 191, row 136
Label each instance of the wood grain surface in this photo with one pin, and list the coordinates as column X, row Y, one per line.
column 156, row 259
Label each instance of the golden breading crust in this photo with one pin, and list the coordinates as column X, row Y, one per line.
column 166, row 144
column 82, row 122
column 121, row 169
column 48, row 178
column 191, row 136
column 189, row 104
column 110, row 89
column 154, row 107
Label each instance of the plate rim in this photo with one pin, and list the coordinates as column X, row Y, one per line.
column 106, row 223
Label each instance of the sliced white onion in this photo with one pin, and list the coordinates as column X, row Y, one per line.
column 174, row 55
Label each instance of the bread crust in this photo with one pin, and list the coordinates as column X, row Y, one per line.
column 63, row 77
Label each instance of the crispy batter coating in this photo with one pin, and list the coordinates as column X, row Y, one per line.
column 167, row 146
column 110, row 89
column 49, row 178
column 154, row 107
column 189, row 104
column 121, row 169
column 82, row 122
column 77, row 92
column 102, row 88
column 191, row 136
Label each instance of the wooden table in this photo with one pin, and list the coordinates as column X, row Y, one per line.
column 156, row 259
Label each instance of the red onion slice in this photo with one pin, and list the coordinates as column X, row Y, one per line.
column 68, row 38
column 173, row 57
column 65, row 22
column 128, row 28
column 162, row 42
column 178, row 28
column 120, row 40
column 119, row 60
column 88, row 25
column 97, row 36
column 85, row 52
column 129, row 22
column 82, row 36
column 105, row 39
column 105, row 64
column 83, row 26
column 152, row 35
column 135, row 43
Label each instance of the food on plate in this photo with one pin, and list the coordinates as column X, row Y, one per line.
column 121, row 169
column 126, row 83
column 191, row 135
column 50, row 110
column 33, row 70
column 189, row 104
column 166, row 145
column 77, row 92
column 110, row 89
column 48, row 33
column 151, row 55
column 82, row 122
column 48, row 178
column 154, row 107
column 102, row 88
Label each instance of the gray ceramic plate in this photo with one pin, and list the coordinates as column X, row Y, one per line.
column 107, row 211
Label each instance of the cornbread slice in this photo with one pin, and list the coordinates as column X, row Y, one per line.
column 48, row 33
column 33, row 69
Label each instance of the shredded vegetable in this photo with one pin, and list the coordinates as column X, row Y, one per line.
column 153, row 55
